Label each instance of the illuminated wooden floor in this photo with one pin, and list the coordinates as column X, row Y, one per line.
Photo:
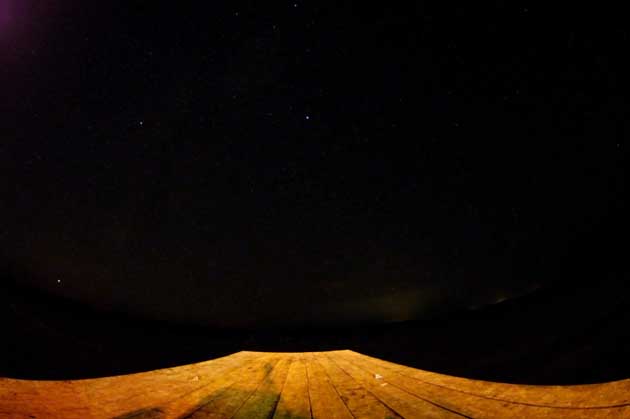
column 327, row 385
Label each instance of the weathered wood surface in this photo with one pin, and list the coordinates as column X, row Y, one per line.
column 326, row 385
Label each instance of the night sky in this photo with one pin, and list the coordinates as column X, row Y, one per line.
column 258, row 163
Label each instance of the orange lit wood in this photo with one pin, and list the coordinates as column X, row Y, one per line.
column 327, row 385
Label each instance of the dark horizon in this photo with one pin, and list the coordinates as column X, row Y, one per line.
column 539, row 338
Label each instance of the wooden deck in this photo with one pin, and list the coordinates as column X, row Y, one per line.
column 326, row 385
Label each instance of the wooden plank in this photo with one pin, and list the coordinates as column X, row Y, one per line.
column 360, row 401
column 43, row 399
column 120, row 395
column 325, row 400
column 331, row 385
column 263, row 402
column 19, row 398
column 186, row 403
column 476, row 406
column 294, row 400
column 616, row 393
column 405, row 404
column 236, row 389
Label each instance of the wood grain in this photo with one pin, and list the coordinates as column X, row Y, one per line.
column 323, row 385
